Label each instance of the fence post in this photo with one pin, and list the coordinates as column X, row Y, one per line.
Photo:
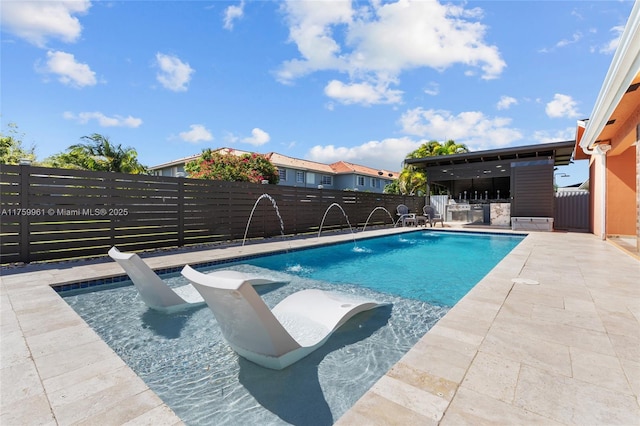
column 24, row 218
column 181, row 182
column 110, row 192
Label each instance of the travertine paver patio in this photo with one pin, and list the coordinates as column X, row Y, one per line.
column 564, row 351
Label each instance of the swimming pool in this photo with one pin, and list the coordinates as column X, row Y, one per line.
column 432, row 266
column 183, row 358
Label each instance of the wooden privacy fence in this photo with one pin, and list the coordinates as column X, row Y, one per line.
column 53, row 214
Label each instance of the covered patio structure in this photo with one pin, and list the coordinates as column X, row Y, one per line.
column 494, row 186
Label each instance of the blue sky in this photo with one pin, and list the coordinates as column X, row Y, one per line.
column 365, row 82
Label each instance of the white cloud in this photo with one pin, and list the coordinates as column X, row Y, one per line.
column 506, row 102
column 362, row 93
column 562, row 106
column 230, row 138
column 387, row 154
column 174, row 74
column 612, row 45
column 258, row 137
column 544, row 136
column 69, row 71
column 198, row 133
column 432, row 89
column 231, row 14
column 472, row 128
column 576, row 37
column 37, row 21
column 310, row 28
column 103, row 120
column 377, row 43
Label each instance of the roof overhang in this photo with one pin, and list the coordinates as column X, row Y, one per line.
column 619, row 96
column 491, row 163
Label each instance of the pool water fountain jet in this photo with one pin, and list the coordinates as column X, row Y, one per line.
column 371, row 214
column 345, row 216
column 275, row 206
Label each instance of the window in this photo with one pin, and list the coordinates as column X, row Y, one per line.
column 360, row 180
column 299, row 177
column 283, row 174
column 374, row 182
column 327, row 180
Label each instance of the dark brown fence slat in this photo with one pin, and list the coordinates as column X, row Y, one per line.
column 82, row 213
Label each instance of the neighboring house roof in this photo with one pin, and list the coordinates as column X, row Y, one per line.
column 279, row 160
column 296, row 163
column 185, row 160
column 178, row 162
column 344, row 167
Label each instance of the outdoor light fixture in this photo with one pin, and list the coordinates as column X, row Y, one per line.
column 24, row 162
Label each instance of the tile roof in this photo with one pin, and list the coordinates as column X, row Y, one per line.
column 185, row 160
column 296, row 163
column 339, row 167
column 342, row 167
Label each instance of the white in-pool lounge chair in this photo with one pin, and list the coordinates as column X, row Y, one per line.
column 277, row 338
column 156, row 294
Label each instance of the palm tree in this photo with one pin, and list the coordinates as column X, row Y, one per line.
column 451, row 147
column 412, row 181
column 99, row 154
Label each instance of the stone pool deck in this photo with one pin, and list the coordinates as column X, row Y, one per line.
column 550, row 336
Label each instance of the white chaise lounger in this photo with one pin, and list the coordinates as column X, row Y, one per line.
column 157, row 295
column 277, row 338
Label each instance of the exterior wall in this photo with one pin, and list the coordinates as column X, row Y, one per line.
column 345, row 182
column 310, row 179
column 350, row 181
column 638, row 188
column 621, row 193
column 596, row 191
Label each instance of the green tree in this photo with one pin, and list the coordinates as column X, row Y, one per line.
column 433, row 148
column 217, row 165
column 11, row 149
column 413, row 181
column 99, row 154
column 451, row 147
column 392, row 188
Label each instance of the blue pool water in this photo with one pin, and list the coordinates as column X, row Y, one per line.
column 435, row 267
column 184, row 359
